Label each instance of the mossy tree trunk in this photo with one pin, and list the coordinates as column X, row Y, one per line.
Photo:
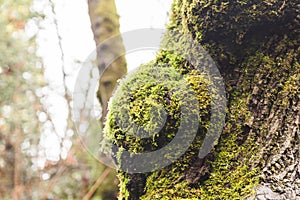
column 105, row 24
column 256, row 45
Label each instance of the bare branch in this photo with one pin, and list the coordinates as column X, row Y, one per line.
column 97, row 184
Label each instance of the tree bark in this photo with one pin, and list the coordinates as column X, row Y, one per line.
column 105, row 24
column 256, row 45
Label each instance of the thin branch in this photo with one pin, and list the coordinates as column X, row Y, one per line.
column 18, row 187
column 62, row 166
column 54, row 181
column 97, row 184
column 62, row 59
column 62, row 55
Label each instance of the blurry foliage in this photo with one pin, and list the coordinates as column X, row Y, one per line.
column 23, row 118
column 20, row 76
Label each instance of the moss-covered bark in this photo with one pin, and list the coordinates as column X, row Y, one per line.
column 256, row 45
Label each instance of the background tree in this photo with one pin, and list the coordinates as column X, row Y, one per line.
column 105, row 24
column 256, row 46
column 26, row 115
column 79, row 174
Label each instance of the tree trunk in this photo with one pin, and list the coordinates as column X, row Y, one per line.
column 256, row 46
column 105, row 24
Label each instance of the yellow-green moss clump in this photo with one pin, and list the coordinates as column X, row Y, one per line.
column 256, row 47
column 151, row 102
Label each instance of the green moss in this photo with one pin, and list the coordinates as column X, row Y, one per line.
column 291, row 87
column 123, row 185
column 140, row 95
column 231, row 177
column 256, row 51
column 154, row 93
column 234, row 169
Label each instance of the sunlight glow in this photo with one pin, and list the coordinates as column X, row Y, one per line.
column 77, row 44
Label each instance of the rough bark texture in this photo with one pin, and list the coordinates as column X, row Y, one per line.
column 105, row 24
column 256, row 45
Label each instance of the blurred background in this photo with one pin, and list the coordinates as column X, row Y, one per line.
column 43, row 46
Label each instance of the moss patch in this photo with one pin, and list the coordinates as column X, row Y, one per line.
column 256, row 45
